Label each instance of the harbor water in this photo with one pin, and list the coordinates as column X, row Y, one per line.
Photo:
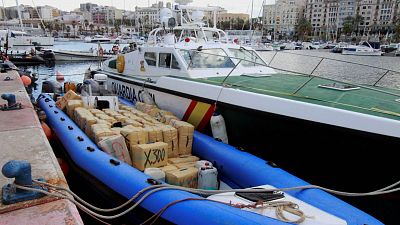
column 366, row 70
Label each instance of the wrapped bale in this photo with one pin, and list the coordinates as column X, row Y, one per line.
column 168, row 167
column 153, row 112
column 71, row 105
column 79, row 114
column 87, row 122
column 120, row 111
column 185, row 136
column 111, row 112
column 183, row 159
column 132, row 122
column 170, row 136
column 115, row 145
column 185, row 165
column 134, row 136
column 101, row 130
column 106, row 118
column 167, row 118
column 149, row 155
column 155, row 134
column 160, row 116
column 117, row 130
column 123, row 107
column 70, row 95
column 121, row 118
column 96, row 112
column 185, row 177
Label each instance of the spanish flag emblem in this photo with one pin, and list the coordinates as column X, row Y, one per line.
column 198, row 114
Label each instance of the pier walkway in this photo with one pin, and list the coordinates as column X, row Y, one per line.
column 22, row 138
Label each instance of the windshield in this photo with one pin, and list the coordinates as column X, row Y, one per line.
column 207, row 58
column 250, row 58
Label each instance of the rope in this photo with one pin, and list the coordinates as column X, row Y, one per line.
column 280, row 206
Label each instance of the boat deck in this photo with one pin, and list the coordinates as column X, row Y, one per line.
column 370, row 100
column 22, row 138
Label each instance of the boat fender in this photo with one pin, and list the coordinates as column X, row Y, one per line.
column 120, row 63
column 145, row 97
column 46, row 130
column 218, row 127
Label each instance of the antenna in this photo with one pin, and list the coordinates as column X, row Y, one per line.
column 19, row 15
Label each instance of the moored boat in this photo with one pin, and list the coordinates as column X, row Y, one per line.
column 365, row 50
column 236, row 169
column 325, row 127
column 63, row 55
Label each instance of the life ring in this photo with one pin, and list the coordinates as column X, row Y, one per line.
column 120, row 63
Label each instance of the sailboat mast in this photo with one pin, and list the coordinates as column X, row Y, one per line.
column 19, row 15
column 251, row 15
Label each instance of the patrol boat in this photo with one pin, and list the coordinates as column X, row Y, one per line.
column 325, row 131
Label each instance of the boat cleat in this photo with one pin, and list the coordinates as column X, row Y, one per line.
column 12, row 104
column 21, row 171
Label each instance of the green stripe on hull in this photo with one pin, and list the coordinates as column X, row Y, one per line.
column 369, row 100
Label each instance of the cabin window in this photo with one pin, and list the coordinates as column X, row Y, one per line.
column 168, row 60
column 250, row 58
column 207, row 58
column 175, row 63
column 112, row 64
column 151, row 58
column 164, row 60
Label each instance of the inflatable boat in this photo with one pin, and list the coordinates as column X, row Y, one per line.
column 236, row 169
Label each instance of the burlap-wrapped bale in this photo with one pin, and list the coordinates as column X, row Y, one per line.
column 185, row 136
column 149, row 155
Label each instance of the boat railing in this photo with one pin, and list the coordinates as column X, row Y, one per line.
column 375, row 81
column 312, row 75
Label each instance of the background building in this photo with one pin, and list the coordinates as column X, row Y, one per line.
column 282, row 17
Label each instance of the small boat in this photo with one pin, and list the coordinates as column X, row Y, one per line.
column 365, row 50
column 236, row 169
column 26, row 59
column 97, row 38
column 64, row 55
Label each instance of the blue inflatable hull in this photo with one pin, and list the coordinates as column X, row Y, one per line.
column 237, row 168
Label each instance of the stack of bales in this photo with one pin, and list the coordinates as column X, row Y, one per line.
column 144, row 137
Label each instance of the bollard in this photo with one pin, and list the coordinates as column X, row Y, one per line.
column 21, row 171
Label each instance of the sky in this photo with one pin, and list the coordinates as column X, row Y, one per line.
column 239, row 6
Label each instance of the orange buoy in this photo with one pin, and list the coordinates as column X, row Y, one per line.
column 26, row 80
column 59, row 76
column 64, row 166
column 47, row 130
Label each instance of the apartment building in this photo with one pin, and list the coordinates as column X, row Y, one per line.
column 283, row 16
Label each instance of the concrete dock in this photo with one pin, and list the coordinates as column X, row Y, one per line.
column 22, row 138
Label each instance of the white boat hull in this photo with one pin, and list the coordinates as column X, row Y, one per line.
column 346, row 52
column 77, row 56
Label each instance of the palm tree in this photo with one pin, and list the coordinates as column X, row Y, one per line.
column 348, row 25
column 303, row 28
column 91, row 27
column 357, row 21
column 86, row 23
column 73, row 26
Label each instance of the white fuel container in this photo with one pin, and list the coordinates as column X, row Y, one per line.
column 203, row 163
column 208, row 178
column 155, row 173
